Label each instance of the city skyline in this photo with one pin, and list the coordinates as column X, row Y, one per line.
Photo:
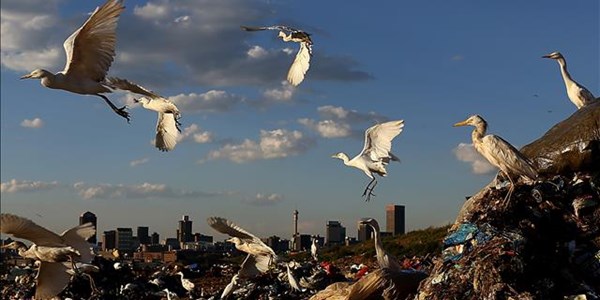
column 253, row 148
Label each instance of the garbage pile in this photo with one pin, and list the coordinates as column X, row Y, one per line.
column 544, row 245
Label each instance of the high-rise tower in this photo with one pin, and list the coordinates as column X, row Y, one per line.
column 89, row 217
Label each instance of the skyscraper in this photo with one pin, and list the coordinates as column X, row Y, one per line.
column 124, row 240
column 109, row 240
column 89, row 217
column 142, row 235
column 184, row 233
column 336, row 233
column 365, row 232
column 155, row 238
column 394, row 216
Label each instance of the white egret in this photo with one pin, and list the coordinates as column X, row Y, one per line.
column 260, row 256
column 375, row 154
column 50, row 249
column 167, row 126
column 233, row 285
column 314, row 248
column 384, row 259
column 499, row 153
column 578, row 94
column 302, row 61
column 292, row 279
column 186, row 283
column 90, row 52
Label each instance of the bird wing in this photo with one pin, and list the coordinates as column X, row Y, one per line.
column 24, row 228
column 253, row 266
column 505, row 156
column 91, row 49
column 126, row 85
column 274, row 27
column 586, row 95
column 378, row 139
column 76, row 237
column 222, row 225
column 166, row 132
column 52, row 278
column 300, row 65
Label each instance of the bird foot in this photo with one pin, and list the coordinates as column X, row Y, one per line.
column 121, row 112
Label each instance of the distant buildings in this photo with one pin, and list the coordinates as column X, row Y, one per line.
column 335, row 233
column 155, row 238
column 124, row 241
column 365, row 232
column 142, row 235
column 89, row 217
column 109, row 240
column 184, row 231
column 395, row 219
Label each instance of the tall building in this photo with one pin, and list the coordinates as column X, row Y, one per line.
column 295, row 244
column 124, row 240
column 184, row 231
column 109, row 240
column 89, row 217
column 142, row 235
column 365, row 232
column 155, row 238
column 335, row 234
column 394, row 216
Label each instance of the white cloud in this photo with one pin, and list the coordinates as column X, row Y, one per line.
column 279, row 143
column 327, row 128
column 35, row 123
column 264, row 200
column 457, row 57
column 211, row 101
column 467, row 153
column 151, row 11
column 15, row 186
column 350, row 116
column 137, row 162
column 282, row 94
column 140, row 191
column 193, row 132
column 257, row 52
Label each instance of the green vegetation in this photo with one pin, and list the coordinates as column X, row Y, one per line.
column 414, row 243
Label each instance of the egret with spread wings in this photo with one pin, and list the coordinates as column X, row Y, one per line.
column 302, row 61
column 376, row 153
column 578, row 94
column 90, row 51
column 167, row 125
column 51, row 249
column 500, row 153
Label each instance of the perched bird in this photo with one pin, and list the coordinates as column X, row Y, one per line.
column 292, row 279
column 499, row 153
column 376, row 154
column 90, row 52
column 577, row 93
column 186, row 283
column 384, row 259
column 233, row 285
column 302, row 61
column 50, row 249
column 314, row 248
column 260, row 256
column 167, row 126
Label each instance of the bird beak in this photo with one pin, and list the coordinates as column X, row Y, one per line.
column 334, row 156
column 546, row 56
column 136, row 100
column 26, row 76
column 462, row 123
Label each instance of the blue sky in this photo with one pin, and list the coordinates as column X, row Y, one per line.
column 255, row 148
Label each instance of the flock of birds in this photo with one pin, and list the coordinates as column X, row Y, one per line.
column 90, row 51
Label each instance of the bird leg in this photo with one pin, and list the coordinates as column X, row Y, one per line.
column 369, row 190
column 120, row 111
column 92, row 284
column 509, row 193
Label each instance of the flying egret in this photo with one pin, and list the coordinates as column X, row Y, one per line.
column 499, row 153
column 314, row 248
column 186, row 283
column 578, row 94
column 50, row 249
column 90, row 52
column 167, row 126
column 302, row 61
column 376, row 154
column 384, row 259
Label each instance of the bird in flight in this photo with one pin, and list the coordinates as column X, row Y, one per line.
column 375, row 154
column 54, row 252
column 167, row 125
column 499, row 153
column 90, row 51
column 302, row 61
column 578, row 94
